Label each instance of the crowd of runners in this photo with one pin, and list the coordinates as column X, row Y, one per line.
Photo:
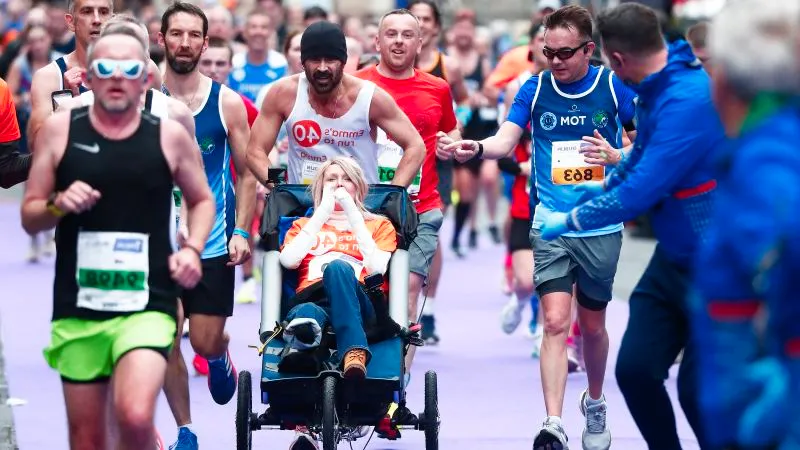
column 148, row 141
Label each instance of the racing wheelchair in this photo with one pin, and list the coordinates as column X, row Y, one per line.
column 322, row 400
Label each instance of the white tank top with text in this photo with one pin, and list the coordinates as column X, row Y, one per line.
column 314, row 139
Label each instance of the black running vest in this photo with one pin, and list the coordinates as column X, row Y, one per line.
column 113, row 259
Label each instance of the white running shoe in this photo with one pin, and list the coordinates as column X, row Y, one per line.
column 551, row 436
column 538, row 335
column 511, row 315
column 247, row 291
column 596, row 435
column 303, row 441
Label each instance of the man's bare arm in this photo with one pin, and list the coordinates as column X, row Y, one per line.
column 41, row 182
column 238, row 137
column 456, row 79
column 45, row 82
column 266, row 128
column 188, row 174
column 385, row 114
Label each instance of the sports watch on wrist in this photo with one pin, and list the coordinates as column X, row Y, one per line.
column 52, row 208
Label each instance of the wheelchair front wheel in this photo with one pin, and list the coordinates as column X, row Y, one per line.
column 244, row 412
column 330, row 425
column 431, row 414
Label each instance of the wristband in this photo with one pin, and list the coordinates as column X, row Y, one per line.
column 52, row 208
column 479, row 155
column 241, row 233
column 198, row 252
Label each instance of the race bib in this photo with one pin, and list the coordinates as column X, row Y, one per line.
column 112, row 271
column 569, row 167
column 309, row 170
column 318, row 264
column 389, row 155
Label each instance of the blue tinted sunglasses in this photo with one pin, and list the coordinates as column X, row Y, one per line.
column 129, row 68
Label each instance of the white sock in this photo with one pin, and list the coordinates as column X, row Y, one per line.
column 554, row 419
column 429, row 302
column 591, row 401
column 188, row 426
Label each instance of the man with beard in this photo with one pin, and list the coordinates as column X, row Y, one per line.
column 84, row 18
column 221, row 128
column 86, row 180
column 328, row 113
column 426, row 100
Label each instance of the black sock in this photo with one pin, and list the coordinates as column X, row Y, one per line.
column 462, row 213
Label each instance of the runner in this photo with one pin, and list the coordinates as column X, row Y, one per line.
column 104, row 211
column 749, row 261
column 426, row 100
column 434, row 62
column 328, row 113
column 221, row 128
column 85, row 19
column 14, row 166
column 570, row 100
column 666, row 175
column 260, row 65
column 474, row 176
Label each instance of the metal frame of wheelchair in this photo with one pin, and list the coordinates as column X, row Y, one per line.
column 328, row 404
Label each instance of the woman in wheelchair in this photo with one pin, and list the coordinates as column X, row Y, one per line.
column 335, row 250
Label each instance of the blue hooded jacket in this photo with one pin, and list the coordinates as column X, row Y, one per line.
column 750, row 379
column 669, row 170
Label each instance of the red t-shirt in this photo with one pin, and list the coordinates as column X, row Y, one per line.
column 9, row 128
column 427, row 102
column 252, row 113
column 520, row 194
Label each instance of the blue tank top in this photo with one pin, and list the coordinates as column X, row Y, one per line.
column 248, row 79
column 62, row 66
column 558, row 122
column 212, row 137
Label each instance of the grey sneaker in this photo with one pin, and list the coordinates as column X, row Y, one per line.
column 551, row 437
column 596, row 435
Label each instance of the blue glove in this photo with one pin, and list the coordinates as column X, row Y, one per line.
column 590, row 190
column 554, row 226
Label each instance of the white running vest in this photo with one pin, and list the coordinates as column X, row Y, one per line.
column 313, row 139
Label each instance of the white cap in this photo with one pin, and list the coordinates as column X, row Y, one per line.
column 552, row 4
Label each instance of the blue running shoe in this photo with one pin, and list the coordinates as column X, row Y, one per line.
column 186, row 440
column 222, row 379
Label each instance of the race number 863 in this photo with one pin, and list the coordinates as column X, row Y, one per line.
column 577, row 175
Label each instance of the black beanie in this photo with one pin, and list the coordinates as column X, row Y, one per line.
column 323, row 40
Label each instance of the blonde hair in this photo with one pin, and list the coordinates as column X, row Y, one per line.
column 356, row 175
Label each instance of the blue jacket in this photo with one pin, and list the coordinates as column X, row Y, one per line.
column 668, row 172
column 750, row 381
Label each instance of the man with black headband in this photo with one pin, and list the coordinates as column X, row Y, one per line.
column 328, row 113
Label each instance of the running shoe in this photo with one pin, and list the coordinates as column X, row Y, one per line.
column 200, row 365
column 538, row 335
column 551, row 436
column 222, row 379
column 186, row 440
column 495, row 233
column 247, row 291
column 511, row 315
column 473, row 239
column 573, row 363
column 303, row 440
column 400, row 415
column 428, row 333
column 596, row 435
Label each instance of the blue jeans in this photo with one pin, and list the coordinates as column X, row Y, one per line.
column 350, row 308
column 658, row 328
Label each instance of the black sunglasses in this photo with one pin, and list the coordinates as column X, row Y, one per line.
column 562, row 53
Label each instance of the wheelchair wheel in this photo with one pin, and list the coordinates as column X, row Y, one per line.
column 244, row 407
column 330, row 422
column 431, row 414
